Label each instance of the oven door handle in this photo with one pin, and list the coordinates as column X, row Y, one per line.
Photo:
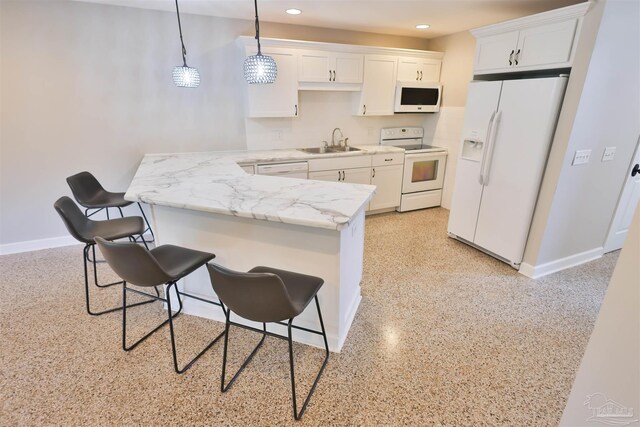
column 486, row 148
column 490, row 148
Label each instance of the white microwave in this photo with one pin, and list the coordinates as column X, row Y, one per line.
column 418, row 97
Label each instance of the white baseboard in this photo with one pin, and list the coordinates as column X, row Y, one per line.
column 537, row 271
column 36, row 245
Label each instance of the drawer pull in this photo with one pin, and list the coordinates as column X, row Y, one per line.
column 388, row 160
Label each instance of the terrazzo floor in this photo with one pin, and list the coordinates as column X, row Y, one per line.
column 445, row 335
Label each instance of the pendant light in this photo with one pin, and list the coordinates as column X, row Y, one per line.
column 184, row 76
column 259, row 68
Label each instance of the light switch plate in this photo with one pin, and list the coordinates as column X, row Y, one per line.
column 609, row 154
column 581, row 157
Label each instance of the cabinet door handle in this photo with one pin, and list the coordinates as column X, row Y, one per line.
column 343, row 175
column 417, row 75
column 329, row 75
column 636, row 170
column 388, row 160
column 364, row 110
column 296, row 107
column 420, row 75
column 511, row 57
column 374, row 173
column 517, row 57
column 334, row 75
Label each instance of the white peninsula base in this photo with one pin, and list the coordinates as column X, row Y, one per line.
column 243, row 243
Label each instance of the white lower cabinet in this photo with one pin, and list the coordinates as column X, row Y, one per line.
column 388, row 182
column 350, row 169
column 386, row 174
column 357, row 176
column 335, row 176
column 385, row 171
column 352, row 176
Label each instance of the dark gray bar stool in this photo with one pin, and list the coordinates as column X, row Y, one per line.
column 89, row 193
column 268, row 295
column 164, row 265
column 85, row 230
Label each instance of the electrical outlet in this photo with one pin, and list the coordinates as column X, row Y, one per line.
column 609, row 154
column 581, row 157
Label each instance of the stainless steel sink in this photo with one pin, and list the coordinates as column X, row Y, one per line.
column 324, row 150
column 315, row 150
column 343, row 149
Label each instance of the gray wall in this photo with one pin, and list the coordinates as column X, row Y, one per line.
column 88, row 87
column 601, row 108
column 611, row 363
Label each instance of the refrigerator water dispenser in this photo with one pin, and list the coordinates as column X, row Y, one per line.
column 472, row 150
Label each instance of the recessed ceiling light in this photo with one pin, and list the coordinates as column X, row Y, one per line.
column 293, row 11
column 422, row 26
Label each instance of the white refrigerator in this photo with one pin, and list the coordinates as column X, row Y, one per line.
column 508, row 128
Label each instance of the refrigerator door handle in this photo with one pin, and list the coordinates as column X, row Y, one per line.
column 494, row 131
column 486, row 148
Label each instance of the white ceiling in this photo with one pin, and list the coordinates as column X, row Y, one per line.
column 397, row 17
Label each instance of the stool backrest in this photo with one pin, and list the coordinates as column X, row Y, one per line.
column 84, row 186
column 133, row 263
column 261, row 297
column 73, row 218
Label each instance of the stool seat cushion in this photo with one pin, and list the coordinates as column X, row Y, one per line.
column 111, row 229
column 178, row 262
column 300, row 287
column 105, row 199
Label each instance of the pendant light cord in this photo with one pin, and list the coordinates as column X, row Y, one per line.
column 184, row 50
column 255, row 2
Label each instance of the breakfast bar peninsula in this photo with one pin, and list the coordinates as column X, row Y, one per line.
column 206, row 201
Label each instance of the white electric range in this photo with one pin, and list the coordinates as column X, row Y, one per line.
column 424, row 167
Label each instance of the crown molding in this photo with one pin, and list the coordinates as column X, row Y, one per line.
column 249, row 41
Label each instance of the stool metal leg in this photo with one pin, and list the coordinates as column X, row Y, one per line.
column 85, row 255
column 124, row 315
column 95, row 271
column 146, row 221
column 224, row 388
column 173, row 339
column 299, row 415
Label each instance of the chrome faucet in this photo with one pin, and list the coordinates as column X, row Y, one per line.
column 333, row 137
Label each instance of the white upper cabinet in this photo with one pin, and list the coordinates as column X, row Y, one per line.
column 379, row 86
column 543, row 41
column 278, row 99
column 371, row 72
column 546, row 45
column 329, row 67
column 419, row 69
column 495, row 52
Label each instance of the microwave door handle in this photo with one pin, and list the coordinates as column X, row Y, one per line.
column 486, row 148
column 490, row 148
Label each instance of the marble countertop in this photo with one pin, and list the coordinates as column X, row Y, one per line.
column 213, row 182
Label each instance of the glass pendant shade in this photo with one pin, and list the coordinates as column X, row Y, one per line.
column 184, row 76
column 260, row 69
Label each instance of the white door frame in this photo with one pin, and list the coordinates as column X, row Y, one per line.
column 616, row 236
